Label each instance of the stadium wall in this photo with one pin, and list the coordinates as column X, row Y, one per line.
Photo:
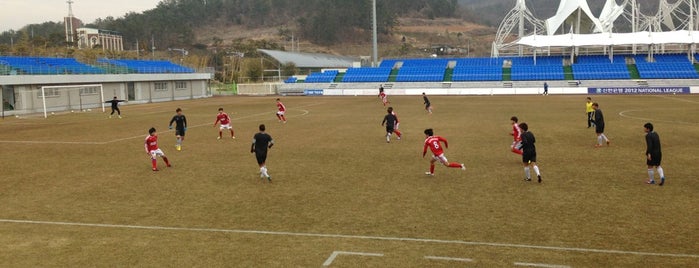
column 686, row 86
column 24, row 92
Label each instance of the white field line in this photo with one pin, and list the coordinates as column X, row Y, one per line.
column 334, row 255
column 541, row 265
column 304, row 113
column 357, row 237
column 624, row 114
column 448, row 259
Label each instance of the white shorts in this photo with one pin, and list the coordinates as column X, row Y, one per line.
column 440, row 158
column 226, row 126
column 281, row 112
column 155, row 153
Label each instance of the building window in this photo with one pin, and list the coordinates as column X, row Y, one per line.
column 161, row 86
column 49, row 93
column 89, row 91
column 180, row 85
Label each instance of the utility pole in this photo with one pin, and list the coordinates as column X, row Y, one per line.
column 375, row 50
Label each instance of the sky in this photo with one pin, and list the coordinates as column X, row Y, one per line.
column 15, row 14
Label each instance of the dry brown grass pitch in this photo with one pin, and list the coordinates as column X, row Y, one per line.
column 334, row 174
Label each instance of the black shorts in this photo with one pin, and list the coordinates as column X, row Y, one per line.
column 261, row 157
column 179, row 132
column 528, row 157
column 427, row 105
column 389, row 129
column 655, row 160
column 599, row 128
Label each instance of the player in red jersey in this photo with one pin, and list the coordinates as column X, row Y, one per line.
column 152, row 149
column 382, row 95
column 433, row 142
column 395, row 128
column 225, row 124
column 516, row 134
column 281, row 111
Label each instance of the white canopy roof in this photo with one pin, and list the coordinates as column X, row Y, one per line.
column 567, row 8
column 610, row 39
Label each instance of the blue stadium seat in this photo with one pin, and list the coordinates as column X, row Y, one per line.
column 369, row 74
column 327, row 76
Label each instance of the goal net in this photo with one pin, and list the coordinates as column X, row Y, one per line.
column 75, row 97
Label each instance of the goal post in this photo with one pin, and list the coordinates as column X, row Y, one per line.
column 63, row 98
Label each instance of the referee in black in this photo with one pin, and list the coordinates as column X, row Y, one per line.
column 260, row 143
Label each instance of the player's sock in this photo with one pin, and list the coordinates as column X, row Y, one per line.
column 155, row 163
column 232, row 133
column 167, row 163
column 388, row 137
column 661, row 173
column 454, row 165
column 432, row 168
column 398, row 133
column 179, row 141
column 604, row 137
column 526, row 173
column 517, row 151
column 651, row 174
column 220, row 134
column 599, row 140
column 536, row 170
column 283, row 118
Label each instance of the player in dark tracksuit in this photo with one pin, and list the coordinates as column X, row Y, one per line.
column 115, row 106
column 529, row 152
column 599, row 126
column 260, row 143
column 653, row 154
column 180, row 127
column 428, row 105
column 390, row 122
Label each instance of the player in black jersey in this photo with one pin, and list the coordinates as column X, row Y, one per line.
column 260, row 143
column 529, row 152
column 180, row 127
column 389, row 121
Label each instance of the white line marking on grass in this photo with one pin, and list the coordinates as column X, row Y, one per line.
column 542, row 265
column 448, row 259
column 624, row 114
column 334, row 255
column 359, row 237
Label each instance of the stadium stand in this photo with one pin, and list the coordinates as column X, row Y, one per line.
column 327, row 76
column 44, row 65
column 601, row 59
column 421, row 74
column 291, row 80
column 147, row 66
column 537, row 72
column 600, row 71
column 367, row 75
column 540, row 60
column 477, row 73
column 666, row 66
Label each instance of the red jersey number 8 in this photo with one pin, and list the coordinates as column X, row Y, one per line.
column 435, row 144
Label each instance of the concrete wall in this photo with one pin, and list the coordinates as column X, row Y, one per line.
column 27, row 98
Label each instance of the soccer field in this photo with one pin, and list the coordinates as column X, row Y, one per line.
column 77, row 188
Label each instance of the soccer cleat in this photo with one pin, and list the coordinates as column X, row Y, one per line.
column 463, row 167
column 608, row 143
column 110, row 116
column 527, row 179
column 429, row 173
column 155, row 169
column 120, row 117
column 269, row 178
column 539, row 178
column 168, row 165
column 662, row 181
column 218, row 138
column 650, row 182
column 233, row 137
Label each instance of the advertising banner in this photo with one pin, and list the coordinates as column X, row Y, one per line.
column 638, row 90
